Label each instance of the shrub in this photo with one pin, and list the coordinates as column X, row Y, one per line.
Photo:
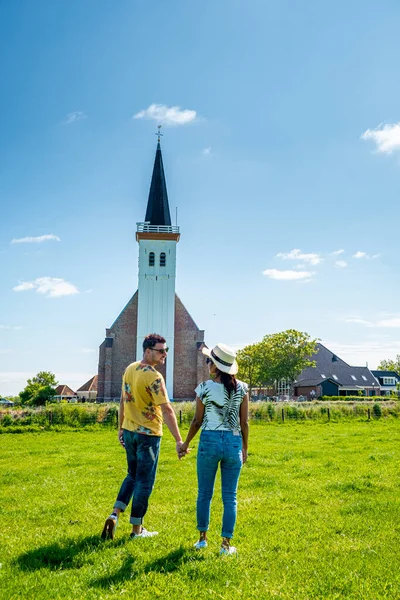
column 377, row 410
column 6, row 421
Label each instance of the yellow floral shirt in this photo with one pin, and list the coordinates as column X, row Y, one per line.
column 143, row 391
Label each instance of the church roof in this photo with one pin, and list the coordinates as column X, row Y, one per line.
column 157, row 212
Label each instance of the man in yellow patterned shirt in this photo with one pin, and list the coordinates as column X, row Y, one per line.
column 143, row 408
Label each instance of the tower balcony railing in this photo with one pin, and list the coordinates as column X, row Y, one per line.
column 147, row 228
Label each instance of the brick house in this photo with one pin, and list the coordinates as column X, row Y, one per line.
column 154, row 307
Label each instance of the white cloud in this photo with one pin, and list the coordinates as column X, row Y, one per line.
column 287, row 275
column 167, row 115
column 359, row 321
column 361, row 254
column 206, row 151
column 71, row 117
column 296, row 254
column 36, row 240
column 386, row 137
column 53, row 287
column 341, row 263
column 388, row 322
column 371, row 351
column 392, row 323
column 337, row 252
column 13, row 327
column 25, row 285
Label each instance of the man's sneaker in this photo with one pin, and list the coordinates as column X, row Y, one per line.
column 229, row 550
column 109, row 527
column 143, row 534
column 201, row 544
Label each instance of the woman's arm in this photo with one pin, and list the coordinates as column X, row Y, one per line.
column 244, row 424
column 195, row 424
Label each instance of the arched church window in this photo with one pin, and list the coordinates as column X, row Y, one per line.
column 163, row 259
column 152, row 259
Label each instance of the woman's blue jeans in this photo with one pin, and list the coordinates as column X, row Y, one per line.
column 142, row 456
column 218, row 448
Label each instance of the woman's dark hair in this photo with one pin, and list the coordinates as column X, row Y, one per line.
column 151, row 340
column 229, row 381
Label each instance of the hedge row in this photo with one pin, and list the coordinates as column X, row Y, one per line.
column 357, row 398
column 92, row 416
column 56, row 416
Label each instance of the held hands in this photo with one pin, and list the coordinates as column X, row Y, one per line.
column 121, row 437
column 182, row 449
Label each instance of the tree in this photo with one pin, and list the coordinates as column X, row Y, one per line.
column 288, row 354
column 390, row 365
column 279, row 356
column 248, row 359
column 40, row 389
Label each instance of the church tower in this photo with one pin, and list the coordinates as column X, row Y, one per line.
column 157, row 239
column 154, row 308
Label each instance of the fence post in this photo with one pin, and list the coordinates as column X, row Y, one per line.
column 283, row 415
column 329, row 414
column 180, row 417
column 369, row 414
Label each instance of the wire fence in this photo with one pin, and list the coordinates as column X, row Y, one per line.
column 94, row 416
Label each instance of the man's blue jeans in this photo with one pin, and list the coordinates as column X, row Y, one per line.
column 224, row 448
column 142, row 455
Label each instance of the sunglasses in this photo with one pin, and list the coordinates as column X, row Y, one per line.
column 162, row 351
column 209, row 361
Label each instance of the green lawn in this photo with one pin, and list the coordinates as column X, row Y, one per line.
column 319, row 517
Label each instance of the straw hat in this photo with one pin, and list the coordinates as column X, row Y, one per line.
column 223, row 357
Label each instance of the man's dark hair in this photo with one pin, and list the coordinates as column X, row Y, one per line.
column 151, row 340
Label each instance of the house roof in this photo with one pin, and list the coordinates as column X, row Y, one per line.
column 315, row 381
column 157, row 212
column 64, row 390
column 386, row 374
column 330, row 366
column 89, row 386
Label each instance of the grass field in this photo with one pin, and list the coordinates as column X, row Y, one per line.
column 319, row 517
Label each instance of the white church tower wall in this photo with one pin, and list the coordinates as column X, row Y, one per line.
column 156, row 303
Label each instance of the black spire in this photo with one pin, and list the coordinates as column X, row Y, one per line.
column 157, row 212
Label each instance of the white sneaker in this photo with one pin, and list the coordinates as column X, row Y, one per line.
column 144, row 534
column 230, row 550
column 201, row 544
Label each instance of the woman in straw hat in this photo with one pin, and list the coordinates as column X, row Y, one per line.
column 222, row 406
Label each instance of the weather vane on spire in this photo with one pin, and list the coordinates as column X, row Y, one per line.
column 159, row 134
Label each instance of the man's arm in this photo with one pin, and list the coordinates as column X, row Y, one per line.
column 244, row 425
column 121, row 414
column 172, row 424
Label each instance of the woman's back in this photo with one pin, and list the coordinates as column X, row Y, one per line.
column 221, row 409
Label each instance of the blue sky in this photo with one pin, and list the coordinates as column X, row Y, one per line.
column 281, row 148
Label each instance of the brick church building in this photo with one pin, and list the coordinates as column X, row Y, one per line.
column 154, row 307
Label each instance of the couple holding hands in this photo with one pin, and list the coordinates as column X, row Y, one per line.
column 222, row 405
